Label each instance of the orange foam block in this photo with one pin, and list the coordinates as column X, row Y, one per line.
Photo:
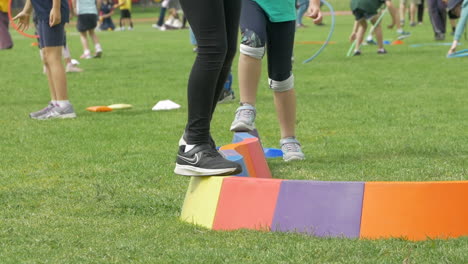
column 254, row 158
column 100, row 108
column 246, row 203
column 415, row 210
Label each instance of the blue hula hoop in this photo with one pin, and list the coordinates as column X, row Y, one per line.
column 459, row 54
column 332, row 29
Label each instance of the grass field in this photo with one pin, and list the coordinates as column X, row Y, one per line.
column 100, row 188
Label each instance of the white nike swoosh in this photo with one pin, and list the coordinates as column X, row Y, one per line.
column 192, row 161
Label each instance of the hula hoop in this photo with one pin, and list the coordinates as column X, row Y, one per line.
column 16, row 26
column 459, row 54
column 370, row 31
column 432, row 44
column 332, row 28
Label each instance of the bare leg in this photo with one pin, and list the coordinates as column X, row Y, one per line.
column 249, row 71
column 378, row 32
column 285, row 103
column 53, row 97
column 55, row 72
column 362, row 27
column 413, row 10
column 93, row 36
column 84, row 41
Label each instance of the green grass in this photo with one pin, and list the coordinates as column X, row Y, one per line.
column 100, row 188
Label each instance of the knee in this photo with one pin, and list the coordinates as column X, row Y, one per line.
column 252, row 45
column 283, row 85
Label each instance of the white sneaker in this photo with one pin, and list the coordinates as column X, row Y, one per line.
column 244, row 121
column 58, row 113
column 72, row 68
column 291, row 149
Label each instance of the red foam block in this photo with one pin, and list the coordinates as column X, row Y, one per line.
column 246, row 203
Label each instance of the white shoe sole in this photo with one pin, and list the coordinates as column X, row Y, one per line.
column 241, row 127
column 186, row 170
column 293, row 157
column 65, row 116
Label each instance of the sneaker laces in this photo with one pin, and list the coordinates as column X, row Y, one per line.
column 246, row 113
column 290, row 145
column 211, row 152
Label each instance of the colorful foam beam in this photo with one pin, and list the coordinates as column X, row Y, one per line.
column 366, row 210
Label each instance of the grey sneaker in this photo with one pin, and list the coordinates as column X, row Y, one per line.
column 291, row 149
column 226, row 97
column 58, row 113
column 42, row 111
column 245, row 119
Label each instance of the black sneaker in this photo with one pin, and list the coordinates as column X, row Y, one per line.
column 204, row 160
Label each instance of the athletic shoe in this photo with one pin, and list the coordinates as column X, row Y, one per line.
column 72, row 68
column 244, row 120
column 381, row 51
column 58, row 113
column 98, row 54
column 226, row 96
column 291, row 149
column 204, row 160
column 412, row 24
column 439, row 36
column 403, row 35
column 85, row 56
column 357, row 53
column 371, row 42
column 42, row 111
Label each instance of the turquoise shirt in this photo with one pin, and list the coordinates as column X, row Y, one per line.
column 279, row 10
column 86, row 7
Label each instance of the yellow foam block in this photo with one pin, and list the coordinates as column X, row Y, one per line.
column 201, row 200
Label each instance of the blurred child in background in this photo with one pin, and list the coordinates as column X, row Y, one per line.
column 5, row 37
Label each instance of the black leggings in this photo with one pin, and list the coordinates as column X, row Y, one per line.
column 215, row 24
column 277, row 37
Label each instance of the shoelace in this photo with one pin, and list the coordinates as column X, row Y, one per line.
column 292, row 147
column 211, row 152
column 246, row 114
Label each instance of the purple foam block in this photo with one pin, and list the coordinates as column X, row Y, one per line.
column 325, row 209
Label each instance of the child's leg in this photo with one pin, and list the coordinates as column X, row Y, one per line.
column 55, row 72
column 413, row 10
column 402, row 11
column 253, row 29
column 362, row 27
column 378, row 31
column 53, row 97
column 84, row 43
column 95, row 39
column 280, row 48
column 249, row 71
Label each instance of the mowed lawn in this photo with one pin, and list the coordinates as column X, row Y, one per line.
column 101, row 188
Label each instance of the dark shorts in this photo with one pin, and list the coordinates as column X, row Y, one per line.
column 125, row 13
column 86, row 22
column 360, row 14
column 50, row 36
column 278, row 38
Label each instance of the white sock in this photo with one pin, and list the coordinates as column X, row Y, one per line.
column 188, row 147
column 87, row 52
column 62, row 103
